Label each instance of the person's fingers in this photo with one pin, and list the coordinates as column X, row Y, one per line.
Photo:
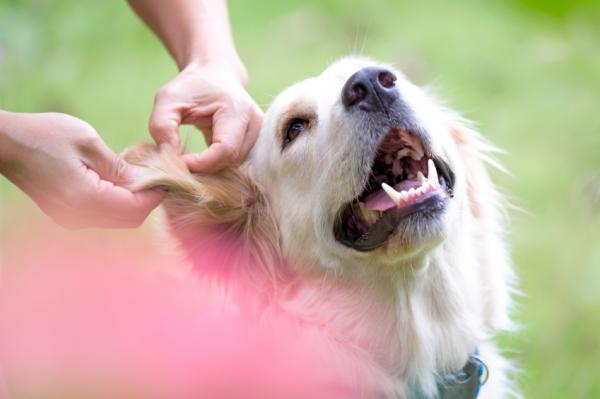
column 114, row 206
column 130, row 209
column 100, row 203
column 110, row 166
column 123, row 174
column 214, row 158
column 207, row 133
column 165, row 119
column 111, row 211
column 252, row 133
column 107, row 200
column 227, row 139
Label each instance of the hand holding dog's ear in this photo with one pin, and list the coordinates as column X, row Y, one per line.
column 213, row 98
column 70, row 173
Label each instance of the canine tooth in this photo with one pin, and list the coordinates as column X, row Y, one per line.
column 392, row 193
column 421, row 178
column 432, row 175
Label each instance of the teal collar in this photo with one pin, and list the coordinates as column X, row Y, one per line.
column 462, row 384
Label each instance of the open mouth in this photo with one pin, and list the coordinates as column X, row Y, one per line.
column 405, row 180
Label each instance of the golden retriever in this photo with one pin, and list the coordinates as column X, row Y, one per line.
column 365, row 210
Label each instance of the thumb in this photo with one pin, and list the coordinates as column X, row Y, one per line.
column 114, row 204
column 112, row 167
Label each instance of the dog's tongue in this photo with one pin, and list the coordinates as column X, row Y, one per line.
column 380, row 201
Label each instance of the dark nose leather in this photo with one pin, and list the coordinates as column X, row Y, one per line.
column 371, row 89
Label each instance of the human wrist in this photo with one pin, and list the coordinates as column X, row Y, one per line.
column 232, row 65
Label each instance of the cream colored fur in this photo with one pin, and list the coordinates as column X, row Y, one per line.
column 403, row 312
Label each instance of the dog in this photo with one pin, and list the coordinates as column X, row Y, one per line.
column 365, row 210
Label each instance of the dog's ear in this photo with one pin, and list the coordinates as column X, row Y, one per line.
column 487, row 208
column 224, row 211
column 477, row 155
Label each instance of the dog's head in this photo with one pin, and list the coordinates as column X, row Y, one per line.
column 358, row 167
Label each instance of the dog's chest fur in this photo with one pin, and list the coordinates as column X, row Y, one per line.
column 389, row 334
column 404, row 331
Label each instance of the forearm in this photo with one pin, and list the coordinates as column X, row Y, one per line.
column 8, row 125
column 193, row 31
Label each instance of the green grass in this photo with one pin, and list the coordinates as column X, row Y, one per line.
column 528, row 72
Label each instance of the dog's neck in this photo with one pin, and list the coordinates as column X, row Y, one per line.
column 424, row 321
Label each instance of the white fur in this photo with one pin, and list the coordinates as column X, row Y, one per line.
column 408, row 310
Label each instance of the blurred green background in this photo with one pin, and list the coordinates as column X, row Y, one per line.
column 528, row 72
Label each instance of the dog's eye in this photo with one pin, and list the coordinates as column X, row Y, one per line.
column 293, row 130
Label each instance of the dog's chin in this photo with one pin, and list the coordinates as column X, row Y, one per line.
column 403, row 200
column 415, row 235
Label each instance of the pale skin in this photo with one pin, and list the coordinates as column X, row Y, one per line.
column 68, row 171
column 209, row 91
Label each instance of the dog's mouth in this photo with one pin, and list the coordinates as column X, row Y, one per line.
column 405, row 180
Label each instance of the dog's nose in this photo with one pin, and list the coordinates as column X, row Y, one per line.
column 370, row 89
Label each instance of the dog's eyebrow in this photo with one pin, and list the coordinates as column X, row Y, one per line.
column 297, row 109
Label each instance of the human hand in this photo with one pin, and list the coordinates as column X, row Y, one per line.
column 70, row 173
column 213, row 98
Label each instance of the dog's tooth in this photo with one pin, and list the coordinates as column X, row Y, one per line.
column 417, row 154
column 404, row 195
column 425, row 186
column 402, row 153
column 395, row 196
column 432, row 175
column 421, row 178
column 411, row 192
